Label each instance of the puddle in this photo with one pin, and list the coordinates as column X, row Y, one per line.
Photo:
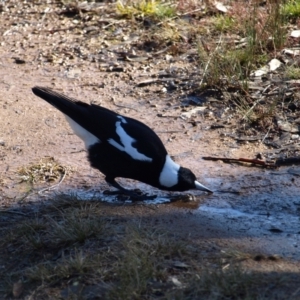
column 177, row 200
column 97, row 195
column 281, row 223
column 264, row 217
column 228, row 212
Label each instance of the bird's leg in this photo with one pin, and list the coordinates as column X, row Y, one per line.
column 112, row 182
column 134, row 195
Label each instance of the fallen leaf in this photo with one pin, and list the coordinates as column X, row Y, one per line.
column 220, row 6
column 287, row 126
column 295, row 33
column 175, row 281
column 179, row 264
column 262, row 71
column 274, row 64
column 293, row 52
column 188, row 114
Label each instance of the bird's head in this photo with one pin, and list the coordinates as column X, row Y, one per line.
column 187, row 181
column 173, row 177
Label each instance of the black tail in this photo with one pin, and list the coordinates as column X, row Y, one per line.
column 65, row 104
column 93, row 118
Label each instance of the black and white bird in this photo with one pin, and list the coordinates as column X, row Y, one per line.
column 120, row 146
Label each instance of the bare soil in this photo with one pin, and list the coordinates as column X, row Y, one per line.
column 253, row 210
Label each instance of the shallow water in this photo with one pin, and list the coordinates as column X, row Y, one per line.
column 256, row 210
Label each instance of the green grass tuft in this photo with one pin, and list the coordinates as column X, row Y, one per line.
column 291, row 9
column 224, row 23
column 292, row 72
column 142, row 8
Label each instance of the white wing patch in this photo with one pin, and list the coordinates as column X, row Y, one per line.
column 169, row 174
column 88, row 138
column 127, row 141
column 122, row 119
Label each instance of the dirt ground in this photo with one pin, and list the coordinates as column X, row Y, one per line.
column 253, row 210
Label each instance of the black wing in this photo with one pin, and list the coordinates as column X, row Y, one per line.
column 101, row 122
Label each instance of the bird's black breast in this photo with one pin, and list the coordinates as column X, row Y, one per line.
column 115, row 163
column 148, row 159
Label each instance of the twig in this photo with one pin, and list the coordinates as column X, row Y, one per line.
column 246, row 160
column 12, row 212
column 55, row 185
column 262, row 141
column 168, row 131
column 122, row 106
column 113, row 23
column 252, row 107
column 287, row 161
column 179, row 15
column 295, row 293
column 278, row 162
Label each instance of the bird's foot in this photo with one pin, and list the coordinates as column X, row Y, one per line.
column 124, row 194
column 133, row 195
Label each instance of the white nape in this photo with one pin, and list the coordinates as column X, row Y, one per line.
column 88, row 138
column 127, row 141
column 169, row 174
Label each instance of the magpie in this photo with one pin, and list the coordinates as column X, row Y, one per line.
column 120, row 146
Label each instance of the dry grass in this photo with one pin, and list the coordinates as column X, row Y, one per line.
column 45, row 170
column 79, row 249
column 261, row 32
column 292, row 72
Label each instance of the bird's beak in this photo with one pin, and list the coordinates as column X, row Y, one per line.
column 201, row 187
